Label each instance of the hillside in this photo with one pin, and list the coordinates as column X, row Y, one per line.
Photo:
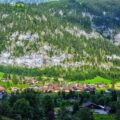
column 68, row 33
column 59, row 60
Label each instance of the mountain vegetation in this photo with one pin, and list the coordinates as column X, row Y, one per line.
column 68, row 34
column 48, row 106
column 73, row 45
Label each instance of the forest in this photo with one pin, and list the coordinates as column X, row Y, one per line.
column 48, row 106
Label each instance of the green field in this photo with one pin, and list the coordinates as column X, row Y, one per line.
column 95, row 80
column 9, row 83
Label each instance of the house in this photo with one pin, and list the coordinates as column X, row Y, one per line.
column 56, row 88
column 101, row 85
column 2, row 92
column 97, row 108
column 110, row 91
column 80, row 87
column 14, row 89
column 90, row 87
column 65, row 88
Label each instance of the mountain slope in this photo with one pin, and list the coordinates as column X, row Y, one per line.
column 67, row 33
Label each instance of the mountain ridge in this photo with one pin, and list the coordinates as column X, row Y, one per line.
column 26, row 1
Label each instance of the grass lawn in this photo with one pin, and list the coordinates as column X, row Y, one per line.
column 97, row 79
column 103, row 117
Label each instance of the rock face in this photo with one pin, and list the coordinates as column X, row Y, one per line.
column 24, row 36
column 33, row 60
column 66, row 33
column 117, row 39
column 78, row 33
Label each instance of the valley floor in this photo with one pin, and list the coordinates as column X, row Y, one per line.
column 48, row 84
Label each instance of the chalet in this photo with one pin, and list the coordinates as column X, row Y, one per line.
column 50, row 88
column 80, row 87
column 97, row 108
column 90, row 87
column 44, row 88
column 57, row 88
column 66, row 88
column 14, row 89
column 110, row 91
column 2, row 92
column 101, row 85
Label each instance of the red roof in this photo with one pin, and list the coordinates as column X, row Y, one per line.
column 2, row 89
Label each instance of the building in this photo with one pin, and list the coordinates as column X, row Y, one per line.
column 97, row 108
column 2, row 92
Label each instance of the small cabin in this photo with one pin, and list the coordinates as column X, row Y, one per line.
column 2, row 92
column 97, row 108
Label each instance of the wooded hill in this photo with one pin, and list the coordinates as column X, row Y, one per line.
column 68, row 33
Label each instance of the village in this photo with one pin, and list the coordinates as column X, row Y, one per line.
column 66, row 88
column 47, row 85
column 71, row 87
column 55, row 88
column 71, row 91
